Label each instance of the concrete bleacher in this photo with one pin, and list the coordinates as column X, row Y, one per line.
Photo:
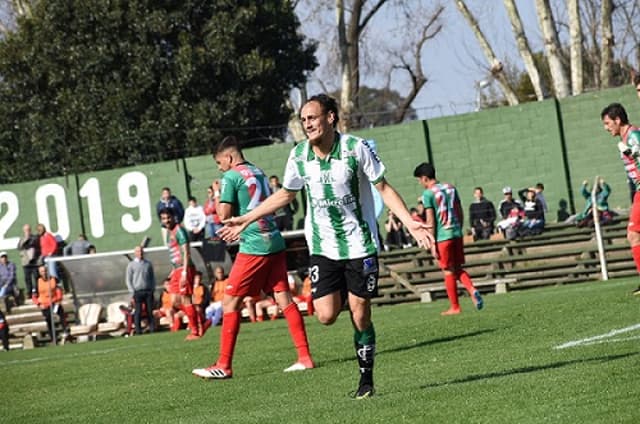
column 564, row 254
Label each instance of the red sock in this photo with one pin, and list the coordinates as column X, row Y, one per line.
column 465, row 279
column 297, row 330
column 228, row 337
column 635, row 251
column 192, row 315
column 452, row 290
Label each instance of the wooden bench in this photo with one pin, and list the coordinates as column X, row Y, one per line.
column 499, row 286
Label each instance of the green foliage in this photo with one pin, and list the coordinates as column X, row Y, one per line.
column 95, row 84
column 495, row 366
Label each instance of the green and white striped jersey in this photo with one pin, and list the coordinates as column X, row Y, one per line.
column 340, row 220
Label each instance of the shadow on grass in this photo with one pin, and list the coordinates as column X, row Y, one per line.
column 527, row 370
column 416, row 345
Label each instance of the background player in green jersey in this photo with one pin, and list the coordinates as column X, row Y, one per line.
column 260, row 265
column 336, row 170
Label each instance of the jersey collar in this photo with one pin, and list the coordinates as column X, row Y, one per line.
column 335, row 153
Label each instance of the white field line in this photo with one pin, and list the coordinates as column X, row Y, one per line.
column 599, row 338
column 64, row 356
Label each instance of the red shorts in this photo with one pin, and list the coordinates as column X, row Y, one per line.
column 174, row 281
column 451, row 253
column 634, row 215
column 251, row 273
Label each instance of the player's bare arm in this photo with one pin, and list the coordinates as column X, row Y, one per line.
column 418, row 230
column 235, row 225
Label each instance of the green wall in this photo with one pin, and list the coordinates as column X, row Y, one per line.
column 559, row 143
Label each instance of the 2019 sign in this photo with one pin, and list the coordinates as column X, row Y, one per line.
column 132, row 191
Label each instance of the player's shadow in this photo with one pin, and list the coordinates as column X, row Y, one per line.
column 527, row 370
column 432, row 342
column 417, row 345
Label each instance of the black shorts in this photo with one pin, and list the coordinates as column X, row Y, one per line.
column 358, row 276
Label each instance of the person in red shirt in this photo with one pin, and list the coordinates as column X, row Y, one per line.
column 48, row 248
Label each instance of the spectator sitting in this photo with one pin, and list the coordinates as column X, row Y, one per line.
column 511, row 213
column 533, row 213
column 194, row 220
column 304, row 294
column 415, row 215
column 539, row 189
column 77, row 247
column 8, row 280
column 585, row 218
column 167, row 309
column 284, row 215
column 482, row 215
column 4, row 332
column 563, row 213
column 200, row 300
column 262, row 304
column 396, row 235
column 213, row 312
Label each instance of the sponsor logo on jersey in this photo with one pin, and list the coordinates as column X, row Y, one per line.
column 347, row 199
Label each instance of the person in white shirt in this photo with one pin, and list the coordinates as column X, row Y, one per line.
column 194, row 220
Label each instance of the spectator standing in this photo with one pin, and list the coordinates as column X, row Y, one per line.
column 141, row 282
column 616, row 122
column 80, row 246
column 337, row 171
column 444, row 217
column 8, row 281
column 172, row 204
column 194, row 220
column 482, row 215
column 48, row 248
column 29, row 247
column 49, row 299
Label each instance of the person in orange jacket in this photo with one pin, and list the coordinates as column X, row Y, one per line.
column 49, row 299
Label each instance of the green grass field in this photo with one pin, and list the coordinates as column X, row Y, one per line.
column 494, row 366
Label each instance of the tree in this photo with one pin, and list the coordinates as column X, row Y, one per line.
column 89, row 84
column 356, row 24
column 552, row 48
column 523, row 47
column 575, row 47
column 379, row 107
column 606, row 52
column 496, row 65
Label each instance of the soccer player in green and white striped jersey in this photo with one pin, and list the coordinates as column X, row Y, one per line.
column 340, row 227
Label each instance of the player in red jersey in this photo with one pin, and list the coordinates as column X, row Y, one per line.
column 181, row 276
column 444, row 215
column 616, row 123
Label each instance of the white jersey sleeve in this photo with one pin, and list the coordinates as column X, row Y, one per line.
column 292, row 180
column 370, row 163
